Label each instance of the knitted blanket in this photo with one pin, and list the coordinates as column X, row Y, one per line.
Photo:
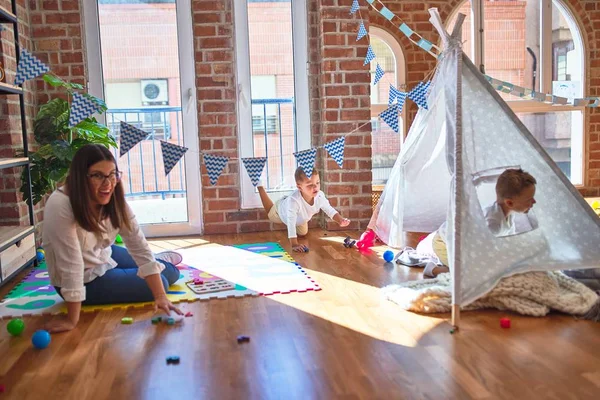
column 530, row 293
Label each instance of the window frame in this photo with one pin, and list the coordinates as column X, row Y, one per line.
column 187, row 77
column 477, row 41
column 299, row 10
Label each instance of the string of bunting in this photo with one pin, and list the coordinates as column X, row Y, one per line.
column 499, row 85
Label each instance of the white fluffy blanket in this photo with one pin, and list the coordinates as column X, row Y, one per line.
column 531, row 293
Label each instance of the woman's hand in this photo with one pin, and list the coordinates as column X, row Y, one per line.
column 164, row 304
column 300, row 248
column 60, row 324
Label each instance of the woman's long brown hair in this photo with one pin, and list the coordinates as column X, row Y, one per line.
column 78, row 190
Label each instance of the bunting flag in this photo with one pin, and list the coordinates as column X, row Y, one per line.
column 306, row 159
column 419, row 94
column 29, row 67
column 254, row 167
column 130, row 136
column 81, row 108
column 171, row 153
column 401, row 99
column 378, row 74
column 214, row 166
column 362, row 31
column 390, row 116
column 394, row 93
column 354, row 7
column 370, row 55
column 335, row 148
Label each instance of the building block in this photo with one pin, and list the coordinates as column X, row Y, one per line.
column 127, row 321
column 242, row 339
column 156, row 320
column 173, row 360
column 505, row 323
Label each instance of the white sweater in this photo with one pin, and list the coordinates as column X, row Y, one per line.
column 76, row 256
column 295, row 211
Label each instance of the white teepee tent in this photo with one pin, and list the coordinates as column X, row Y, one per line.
column 466, row 138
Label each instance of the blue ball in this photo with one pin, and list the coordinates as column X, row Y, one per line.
column 40, row 256
column 388, row 255
column 40, row 339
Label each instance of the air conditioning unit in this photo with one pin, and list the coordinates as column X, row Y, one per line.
column 155, row 92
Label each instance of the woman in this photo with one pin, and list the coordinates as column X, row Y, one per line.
column 81, row 222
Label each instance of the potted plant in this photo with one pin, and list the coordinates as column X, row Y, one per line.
column 58, row 142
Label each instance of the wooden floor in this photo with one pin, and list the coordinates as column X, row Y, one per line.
column 343, row 342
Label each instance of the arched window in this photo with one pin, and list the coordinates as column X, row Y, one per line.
column 534, row 44
column 385, row 142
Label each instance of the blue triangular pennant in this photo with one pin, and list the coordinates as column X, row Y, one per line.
column 370, row 55
column 29, row 67
column 130, row 136
column 81, row 108
column 335, row 148
column 362, row 31
column 419, row 94
column 214, row 166
column 306, row 160
column 254, row 167
column 393, row 94
column 354, row 7
column 401, row 99
column 378, row 74
column 171, row 153
column 390, row 116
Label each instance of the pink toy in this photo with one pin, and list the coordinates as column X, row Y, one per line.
column 505, row 323
column 366, row 240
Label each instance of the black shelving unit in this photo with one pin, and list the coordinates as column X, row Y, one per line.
column 17, row 243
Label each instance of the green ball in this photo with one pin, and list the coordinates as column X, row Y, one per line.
column 118, row 239
column 15, row 327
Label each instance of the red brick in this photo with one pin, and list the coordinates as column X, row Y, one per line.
column 220, row 228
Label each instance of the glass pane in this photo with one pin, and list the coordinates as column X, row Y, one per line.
column 466, row 28
column 561, row 135
column 512, row 42
column 387, row 61
column 385, row 148
column 272, row 87
column 142, row 88
column 566, row 56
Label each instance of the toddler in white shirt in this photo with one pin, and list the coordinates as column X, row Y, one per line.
column 298, row 208
column 515, row 193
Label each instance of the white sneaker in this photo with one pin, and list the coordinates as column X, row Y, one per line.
column 169, row 256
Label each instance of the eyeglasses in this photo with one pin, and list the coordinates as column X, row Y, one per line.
column 99, row 178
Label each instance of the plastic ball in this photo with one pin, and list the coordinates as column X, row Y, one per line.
column 40, row 254
column 119, row 239
column 388, row 255
column 15, row 327
column 40, row 339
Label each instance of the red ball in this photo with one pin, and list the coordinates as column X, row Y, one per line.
column 505, row 323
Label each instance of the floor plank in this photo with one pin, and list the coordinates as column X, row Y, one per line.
column 343, row 342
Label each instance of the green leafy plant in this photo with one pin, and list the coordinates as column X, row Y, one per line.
column 58, row 142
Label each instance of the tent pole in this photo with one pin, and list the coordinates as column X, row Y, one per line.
column 455, row 315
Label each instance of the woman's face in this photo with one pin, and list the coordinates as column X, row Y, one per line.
column 103, row 177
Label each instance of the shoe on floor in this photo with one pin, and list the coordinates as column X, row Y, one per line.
column 169, row 256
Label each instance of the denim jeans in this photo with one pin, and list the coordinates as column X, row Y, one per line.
column 122, row 285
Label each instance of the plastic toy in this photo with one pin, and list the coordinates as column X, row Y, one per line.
column 156, row 320
column 596, row 207
column 15, row 327
column 171, row 321
column 172, row 360
column 242, row 339
column 349, row 243
column 119, row 239
column 505, row 323
column 189, row 314
column 366, row 240
column 127, row 321
column 198, row 281
column 40, row 339
column 40, row 254
column 388, row 255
